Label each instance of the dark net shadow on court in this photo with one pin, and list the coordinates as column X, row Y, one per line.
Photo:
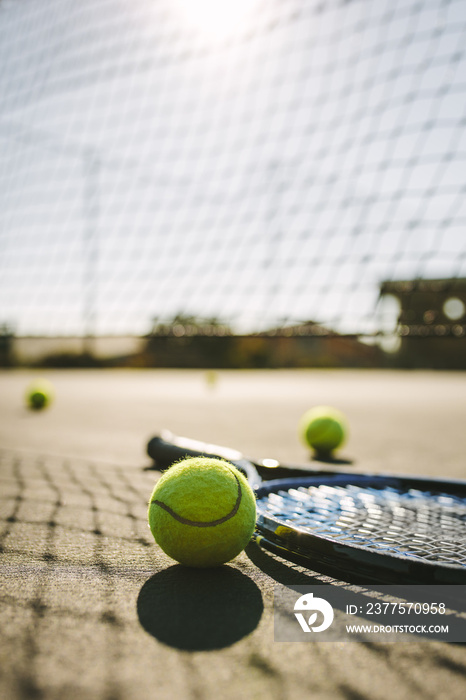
column 74, row 548
column 90, row 608
column 84, row 600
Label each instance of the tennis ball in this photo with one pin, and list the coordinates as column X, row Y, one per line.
column 39, row 395
column 323, row 428
column 202, row 512
column 211, row 378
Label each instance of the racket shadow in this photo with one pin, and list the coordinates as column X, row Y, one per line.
column 199, row 609
column 288, row 574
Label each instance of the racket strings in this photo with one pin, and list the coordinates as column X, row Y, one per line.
column 419, row 524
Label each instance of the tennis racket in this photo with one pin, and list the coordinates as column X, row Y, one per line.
column 359, row 527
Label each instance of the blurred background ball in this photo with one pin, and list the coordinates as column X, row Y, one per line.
column 323, row 429
column 39, row 395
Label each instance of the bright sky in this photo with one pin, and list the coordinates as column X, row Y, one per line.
column 271, row 162
column 217, row 20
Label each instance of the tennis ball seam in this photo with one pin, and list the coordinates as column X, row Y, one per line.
column 202, row 523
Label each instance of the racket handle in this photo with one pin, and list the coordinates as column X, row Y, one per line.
column 164, row 452
column 169, row 448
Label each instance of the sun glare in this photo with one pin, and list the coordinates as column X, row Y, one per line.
column 216, row 18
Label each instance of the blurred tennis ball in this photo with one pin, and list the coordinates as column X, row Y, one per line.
column 211, row 378
column 323, row 428
column 202, row 512
column 39, row 395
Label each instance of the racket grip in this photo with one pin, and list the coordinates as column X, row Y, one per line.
column 168, row 448
column 164, row 453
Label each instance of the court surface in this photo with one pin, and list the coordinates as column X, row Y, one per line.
column 91, row 608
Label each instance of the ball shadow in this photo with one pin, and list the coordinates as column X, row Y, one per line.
column 199, row 609
column 330, row 459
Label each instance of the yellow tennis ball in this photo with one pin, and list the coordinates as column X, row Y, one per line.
column 323, row 428
column 39, row 395
column 202, row 512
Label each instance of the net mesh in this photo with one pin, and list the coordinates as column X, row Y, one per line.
column 418, row 524
column 156, row 163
